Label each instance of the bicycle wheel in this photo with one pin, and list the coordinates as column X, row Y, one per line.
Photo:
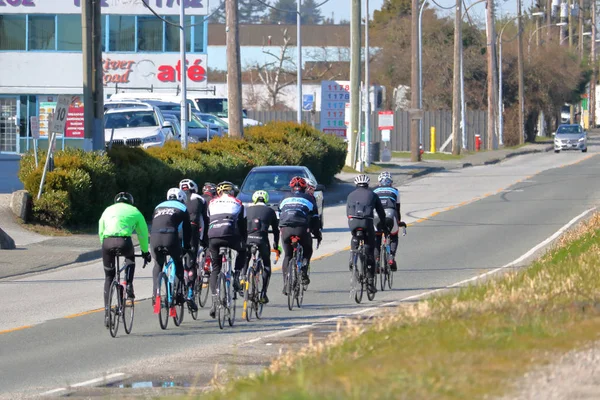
column 381, row 267
column 194, row 286
column 221, row 307
column 128, row 312
column 114, row 305
column 258, row 285
column 291, row 283
column 232, row 306
column 178, row 302
column 357, row 284
column 390, row 277
column 163, row 298
column 370, row 295
column 248, row 288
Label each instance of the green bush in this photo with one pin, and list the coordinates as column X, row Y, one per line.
column 83, row 184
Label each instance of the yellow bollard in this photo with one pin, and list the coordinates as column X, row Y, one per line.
column 432, row 133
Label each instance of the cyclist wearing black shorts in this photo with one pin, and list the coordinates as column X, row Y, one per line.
column 227, row 228
column 168, row 219
column 360, row 207
column 298, row 216
column 117, row 224
column 209, row 192
column 260, row 218
column 390, row 199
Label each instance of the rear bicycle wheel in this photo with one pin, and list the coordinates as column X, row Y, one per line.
column 163, row 298
column 128, row 312
column 248, row 286
column 114, row 305
column 258, row 285
column 291, row 283
column 357, row 284
column 231, row 305
column 178, row 302
column 221, row 307
column 390, row 277
column 381, row 267
column 365, row 284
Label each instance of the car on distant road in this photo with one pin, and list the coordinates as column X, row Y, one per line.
column 143, row 127
column 570, row 137
column 275, row 180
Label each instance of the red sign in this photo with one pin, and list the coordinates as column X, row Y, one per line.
column 386, row 120
column 195, row 72
column 337, row 132
column 75, row 124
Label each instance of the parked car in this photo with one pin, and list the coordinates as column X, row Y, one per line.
column 275, row 180
column 196, row 128
column 213, row 121
column 143, row 127
column 570, row 137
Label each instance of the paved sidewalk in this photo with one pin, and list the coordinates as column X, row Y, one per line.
column 36, row 253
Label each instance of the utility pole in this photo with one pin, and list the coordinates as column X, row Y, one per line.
column 234, row 70
column 299, row 56
column 570, row 21
column 592, row 102
column 521, row 57
column 415, row 154
column 580, row 28
column 456, row 99
column 355, row 44
column 491, row 78
column 93, row 85
column 183, row 62
column 368, row 92
column 562, row 30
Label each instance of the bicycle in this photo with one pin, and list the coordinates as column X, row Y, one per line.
column 253, row 284
column 226, row 306
column 120, row 305
column 169, row 300
column 190, row 288
column 386, row 275
column 358, row 279
column 294, row 288
column 203, row 274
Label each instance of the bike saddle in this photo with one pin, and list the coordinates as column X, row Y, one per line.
column 162, row 250
column 295, row 239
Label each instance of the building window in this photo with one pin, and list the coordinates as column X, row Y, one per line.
column 69, row 32
column 42, row 32
column 172, row 34
column 13, row 32
column 199, row 36
column 121, row 33
column 149, row 34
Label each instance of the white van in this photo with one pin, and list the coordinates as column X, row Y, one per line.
column 215, row 105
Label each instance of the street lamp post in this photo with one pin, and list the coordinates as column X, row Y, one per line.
column 299, row 62
column 500, row 94
column 533, row 33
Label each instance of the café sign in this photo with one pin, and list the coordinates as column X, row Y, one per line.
column 119, row 7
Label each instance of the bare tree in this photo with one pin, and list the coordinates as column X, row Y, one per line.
column 277, row 74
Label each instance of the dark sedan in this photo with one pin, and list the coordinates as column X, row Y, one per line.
column 275, row 179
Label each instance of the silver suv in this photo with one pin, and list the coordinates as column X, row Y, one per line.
column 136, row 126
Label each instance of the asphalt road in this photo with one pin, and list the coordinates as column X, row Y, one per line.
column 469, row 222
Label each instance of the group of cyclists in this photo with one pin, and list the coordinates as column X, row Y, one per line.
column 215, row 218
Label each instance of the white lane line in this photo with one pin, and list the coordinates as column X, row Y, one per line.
column 430, row 292
column 511, row 190
column 53, row 391
column 86, row 383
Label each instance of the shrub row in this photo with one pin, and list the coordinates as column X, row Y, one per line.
column 83, row 184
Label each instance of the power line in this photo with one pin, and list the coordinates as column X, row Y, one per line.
column 176, row 24
column 287, row 11
column 444, row 8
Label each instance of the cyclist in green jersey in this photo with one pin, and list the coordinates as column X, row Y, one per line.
column 115, row 227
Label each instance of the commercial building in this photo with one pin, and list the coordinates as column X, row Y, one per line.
column 40, row 58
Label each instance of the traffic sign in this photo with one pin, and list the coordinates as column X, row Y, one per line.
column 386, row 120
column 34, row 126
column 308, row 101
column 59, row 122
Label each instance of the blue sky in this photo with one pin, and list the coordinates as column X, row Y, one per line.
column 504, row 7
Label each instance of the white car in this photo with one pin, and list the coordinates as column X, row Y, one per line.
column 137, row 126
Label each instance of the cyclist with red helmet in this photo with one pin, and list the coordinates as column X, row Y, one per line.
column 298, row 216
column 209, row 192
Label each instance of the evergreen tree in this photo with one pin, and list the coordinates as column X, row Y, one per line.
column 284, row 12
column 310, row 13
column 251, row 11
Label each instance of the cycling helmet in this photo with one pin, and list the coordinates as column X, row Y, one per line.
column 298, row 183
column 260, row 195
column 209, row 188
column 225, row 187
column 362, row 180
column 124, row 197
column 176, row 194
column 188, row 184
column 384, row 175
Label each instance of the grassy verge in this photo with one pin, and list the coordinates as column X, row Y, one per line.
column 468, row 344
column 371, row 169
column 430, row 156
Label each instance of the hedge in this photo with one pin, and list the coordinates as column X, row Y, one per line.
column 83, row 184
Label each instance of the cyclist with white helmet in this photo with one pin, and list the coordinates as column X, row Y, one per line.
column 361, row 206
column 169, row 218
column 390, row 198
column 227, row 228
column 117, row 224
column 260, row 218
column 197, row 209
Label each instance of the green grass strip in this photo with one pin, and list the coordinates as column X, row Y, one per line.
column 468, row 344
